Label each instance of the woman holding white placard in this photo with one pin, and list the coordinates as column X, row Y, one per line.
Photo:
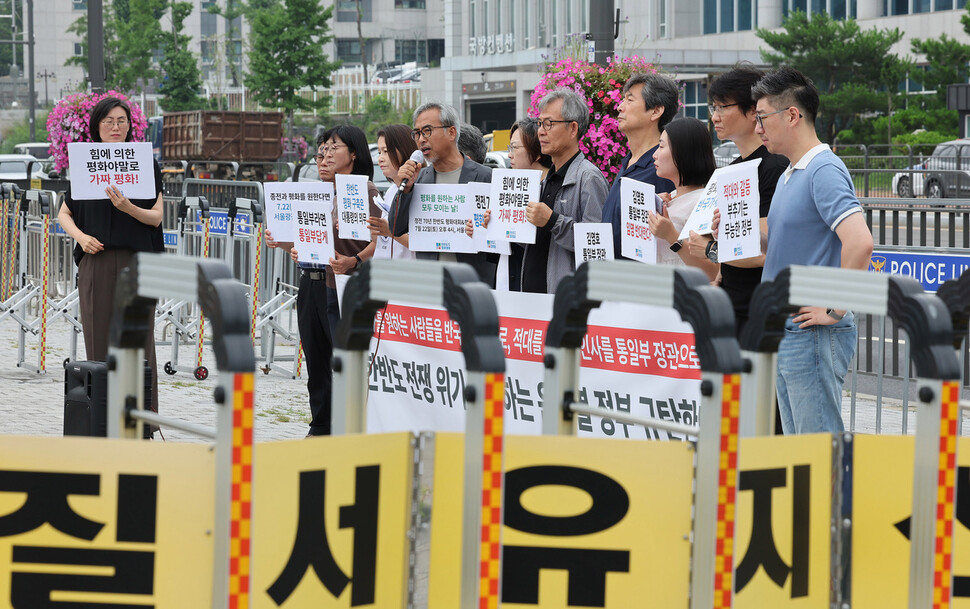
column 686, row 158
column 394, row 147
column 108, row 231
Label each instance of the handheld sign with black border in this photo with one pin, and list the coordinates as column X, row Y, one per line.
column 486, row 239
column 637, row 199
column 592, row 241
column 700, row 219
column 280, row 196
column 352, row 207
column 739, row 201
column 126, row 165
column 313, row 231
column 438, row 216
column 512, row 189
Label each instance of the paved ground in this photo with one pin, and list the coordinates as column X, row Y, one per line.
column 33, row 404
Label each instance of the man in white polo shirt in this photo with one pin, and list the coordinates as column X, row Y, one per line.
column 815, row 219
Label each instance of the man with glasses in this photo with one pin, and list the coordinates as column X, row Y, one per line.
column 732, row 111
column 436, row 131
column 650, row 101
column 573, row 191
column 815, row 219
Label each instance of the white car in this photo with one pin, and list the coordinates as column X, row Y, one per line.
column 14, row 167
column 906, row 184
column 946, row 173
column 498, row 159
column 725, row 153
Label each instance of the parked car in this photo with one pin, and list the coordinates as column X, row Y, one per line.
column 14, row 167
column 407, row 76
column 498, row 159
column 39, row 150
column 946, row 173
column 383, row 76
column 724, row 154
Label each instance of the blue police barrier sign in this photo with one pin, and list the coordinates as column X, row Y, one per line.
column 929, row 269
column 171, row 238
column 219, row 222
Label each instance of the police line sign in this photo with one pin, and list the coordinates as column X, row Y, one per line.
column 930, row 270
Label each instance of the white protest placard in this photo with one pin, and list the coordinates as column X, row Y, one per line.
column 438, row 216
column 592, row 241
column 279, row 198
column 313, row 232
column 512, row 189
column 739, row 201
column 700, row 219
column 125, row 165
column 637, row 200
column 352, row 207
column 486, row 239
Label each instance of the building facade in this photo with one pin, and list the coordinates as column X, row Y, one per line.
column 495, row 49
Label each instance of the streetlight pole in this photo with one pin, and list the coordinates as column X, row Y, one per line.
column 45, row 75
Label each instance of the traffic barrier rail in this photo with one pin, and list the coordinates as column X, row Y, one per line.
column 470, row 303
column 927, row 323
column 708, row 310
column 221, row 299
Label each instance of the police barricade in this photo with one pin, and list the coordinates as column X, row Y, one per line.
column 469, row 302
column 927, row 323
column 11, row 213
column 222, row 299
column 709, row 311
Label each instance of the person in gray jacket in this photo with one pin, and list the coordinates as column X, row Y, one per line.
column 574, row 191
column 436, row 132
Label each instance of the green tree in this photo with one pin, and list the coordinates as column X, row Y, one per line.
column 854, row 69
column 289, row 33
column 182, row 79
column 139, row 36
column 233, row 11
column 946, row 60
column 380, row 112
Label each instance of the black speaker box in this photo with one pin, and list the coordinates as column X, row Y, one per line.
column 86, row 398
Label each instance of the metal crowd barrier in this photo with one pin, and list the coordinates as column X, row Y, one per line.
column 470, row 303
column 926, row 321
column 223, row 300
column 708, row 310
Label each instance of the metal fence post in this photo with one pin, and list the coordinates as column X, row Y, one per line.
column 223, row 300
column 470, row 303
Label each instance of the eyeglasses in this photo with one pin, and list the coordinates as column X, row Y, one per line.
column 514, row 147
column 760, row 118
column 426, row 131
column 121, row 122
column 319, row 157
column 718, row 108
column 331, row 149
column 547, row 123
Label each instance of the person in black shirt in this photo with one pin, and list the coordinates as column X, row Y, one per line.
column 108, row 232
column 732, row 111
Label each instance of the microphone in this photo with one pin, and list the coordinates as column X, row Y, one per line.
column 417, row 157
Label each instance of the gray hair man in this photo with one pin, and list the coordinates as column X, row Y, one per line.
column 472, row 144
column 436, row 132
column 573, row 191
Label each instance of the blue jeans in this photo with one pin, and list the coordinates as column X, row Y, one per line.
column 812, row 364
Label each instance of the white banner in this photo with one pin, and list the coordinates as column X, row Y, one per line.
column 438, row 216
column 125, row 165
column 592, row 241
column 352, row 207
column 486, row 239
column 739, row 201
column 512, row 189
column 635, row 359
column 700, row 219
column 280, row 196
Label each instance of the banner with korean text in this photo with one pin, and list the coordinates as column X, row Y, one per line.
column 635, row 359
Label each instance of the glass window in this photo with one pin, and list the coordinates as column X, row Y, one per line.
column 921, row 6
column 695, row 100
column 485, row 15
column 79, row 5
column 584, row 16
column 569, row 16
column 348, row 50
column 899, row 7
column 209, row 24
column 727, row 15
column 436, row 50
column 818, row 6
column 961, row 3
column 838, row 9
column 471, row 19
column 554, row 20
column 799, row 5
column 541, row 23
column 944, row 5
column 409, row 4
column 662, row 19
column 745, row 15
column 78, row 49
column 710, row 16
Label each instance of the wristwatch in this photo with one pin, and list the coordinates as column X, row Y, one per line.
column 675, row 246
column 831, row 313
column 359, row 261
column 711, row 251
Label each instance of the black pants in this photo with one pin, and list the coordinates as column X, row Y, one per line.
column 311, row 311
